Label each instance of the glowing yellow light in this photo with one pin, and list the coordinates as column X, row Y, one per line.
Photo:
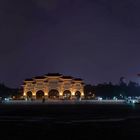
column 46, row 94
column 73, row 93
column 33, row 93
column 82, row 94
column 61, row 93
column 24, row 94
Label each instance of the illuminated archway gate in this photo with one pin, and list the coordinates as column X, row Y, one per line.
column 53, row 86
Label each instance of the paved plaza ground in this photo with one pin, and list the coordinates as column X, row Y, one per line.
column 69, row 121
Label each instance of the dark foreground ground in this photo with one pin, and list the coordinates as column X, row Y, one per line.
column 69, row 121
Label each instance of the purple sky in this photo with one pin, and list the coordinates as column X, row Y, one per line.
column 97, row 40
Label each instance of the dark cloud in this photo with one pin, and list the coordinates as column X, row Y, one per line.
column 97, row 40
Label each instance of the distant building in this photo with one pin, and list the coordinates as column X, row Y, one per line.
column 53, row 86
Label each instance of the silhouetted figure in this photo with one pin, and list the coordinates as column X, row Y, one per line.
column 43, row 100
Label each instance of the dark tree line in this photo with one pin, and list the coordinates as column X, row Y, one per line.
column 6, row 91
column 109, row 90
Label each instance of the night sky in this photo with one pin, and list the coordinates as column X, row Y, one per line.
column 97, row 40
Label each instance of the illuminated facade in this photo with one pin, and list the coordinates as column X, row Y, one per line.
column 53, row 86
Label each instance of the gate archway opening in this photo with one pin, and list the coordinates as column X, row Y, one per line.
column 78, row 94
column 39, row 95
column 29, row 95
column 67, row 94
column 53, row 94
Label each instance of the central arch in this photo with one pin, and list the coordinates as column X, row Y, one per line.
column 39, row 94
column 53, row 94
column 67, row 94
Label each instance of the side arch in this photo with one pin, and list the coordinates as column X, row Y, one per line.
column 40, row 94
column 67, row 94
column 78, row 94
column 29, row 94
